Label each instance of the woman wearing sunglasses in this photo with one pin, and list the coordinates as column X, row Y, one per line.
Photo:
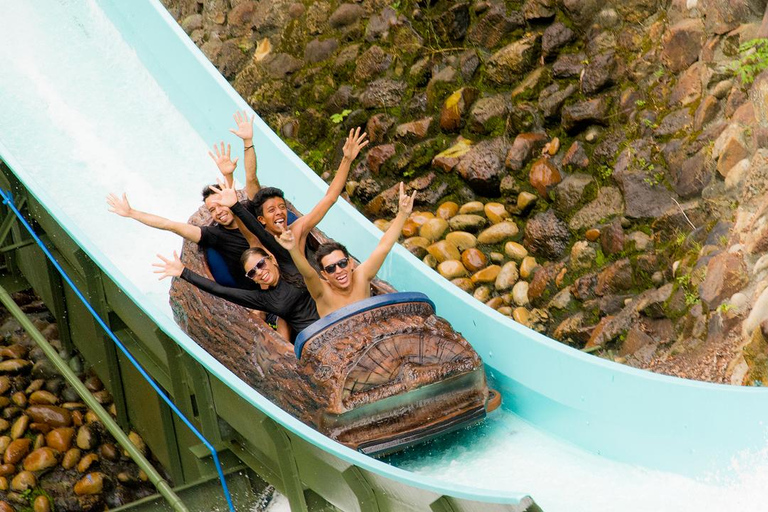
column 275, row 293
column 341, row 282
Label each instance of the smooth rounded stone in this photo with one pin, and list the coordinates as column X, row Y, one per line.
column 429, row 261
column 112, row 410
column 45, row 369
column 5, row 384
column 515, row 251
column 525, row 201
column 5, row 441
column 496, row 212
column 17, row 450
column 11, row 412
column 126, row 478
column 86, row 438
column 482, row 293
column 451, row 269
column 71, row 458
column 5, row 401
column 19, row 427
column 464, row 283
column 15, row 366
column 4, row 505
column 23, row 481
column 640, row 240
column 70, row 395
column 507, row 277
column 41, row 459
column 421, row 218
column 561, row 300
column 474, row 259
column 657, row 278
column 495, row 303
column 109, row 451
column 92, row 483
column 93, row 383
column 60, row 439
column 52, row 386
column 447, row 210
column 410, row 229
column 462, row 240
column 50, row 415
column 35, row 385
column 520, row 293
column 86, row 462
column 7, row 469
column 4, row 425
column 74, row 406
column 77, row 419
column 41, row 504
column 527, row 266
column 498, row 232
column 592, row 234
column 4, row 486
column 471, row 207
column 40, row 427
column 104, row 397
column 496, row 257
column 487, row 275
column 416, row 245
column 13, row 352
column 382, row 224
column 76, row 364
column 19, row 399
column 434, row 229
column 505, row 310
column 443, row 250
column 522, row 316
column 39, row 442
column 143, row 476
column 138, row 442
column 466, row 222
column 543, row 175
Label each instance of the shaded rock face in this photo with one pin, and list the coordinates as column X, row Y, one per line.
column 546, row 235
column 483, row 166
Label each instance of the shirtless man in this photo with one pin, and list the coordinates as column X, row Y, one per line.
column 340, row 281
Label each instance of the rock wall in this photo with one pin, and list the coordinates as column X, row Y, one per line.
column 594, row 169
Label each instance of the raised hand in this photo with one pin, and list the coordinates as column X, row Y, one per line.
column 222, row 159
column 226, row 193
column 169, row 267
column 406, row 201
column 244, row 125
column 355, row 142
column 286, row 239
column 118, row 205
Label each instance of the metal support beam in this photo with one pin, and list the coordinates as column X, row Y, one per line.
column 366, row 497
column 289, row 471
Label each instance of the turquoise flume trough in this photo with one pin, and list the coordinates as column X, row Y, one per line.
column 618, row 412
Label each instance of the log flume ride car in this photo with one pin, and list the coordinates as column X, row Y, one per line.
column 378, row 376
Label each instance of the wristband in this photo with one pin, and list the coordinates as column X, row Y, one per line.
column 248, row 147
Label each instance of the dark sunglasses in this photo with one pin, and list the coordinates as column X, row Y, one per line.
column 342, row 263
column 258, row 266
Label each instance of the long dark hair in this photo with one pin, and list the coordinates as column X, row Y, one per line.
column 293, row 279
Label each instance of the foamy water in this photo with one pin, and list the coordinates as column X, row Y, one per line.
column 83, row 115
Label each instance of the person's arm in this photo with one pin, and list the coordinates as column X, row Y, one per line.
column 371, row 266
column 175, row 268
column 223, row 161
column 355, row 142
column 122, row 207
column 249, row 225
column 245, row 131
column 311, row 279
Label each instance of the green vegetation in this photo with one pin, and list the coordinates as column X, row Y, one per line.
column 753, row 58
column 339, row 117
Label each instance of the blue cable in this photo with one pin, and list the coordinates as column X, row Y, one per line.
column 8, row 200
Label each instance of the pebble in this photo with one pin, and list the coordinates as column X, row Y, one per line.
column 86, row 438
column 92, row 483
column 382, row 224
column 15, row 366
column 19, row 399
column 60, row 439
column 471, row 207
column 592, row 234
column 416, row 245
column 507, row 276
column 86, row 462
column 35, row 385
column 487, row 275
column 482, row 293
column 5, row 384
column 525, row 201
column 515, row 251
column 474, row 260
column 41, row 459
column 109, row 451
column 50, row 414
column 505, row 310
column 452, row 269
column 527, row 266
column 23, row 481
column 496, row 212
column 39, row 442
column 19, row 426
column 410, row 229
column 657, row 278
column 421, row 218
column 41, row 504
column 467, row 222
column 497, row 257
column 4, row 424
column 522, row 316
column 5, row 401
column 462, row 240
column 447, row 210
column 5, row 441
column 4, row 485
column 520, row 293
column 103, row 397
column 495, row 303
column 444, row 250
column 434, row 229
column 71, row 458
column 498, row 232
column 429, row 261
column 464, row 283
column 138, row 442
column 13, row 352
column 17, row 450
column 7, row 469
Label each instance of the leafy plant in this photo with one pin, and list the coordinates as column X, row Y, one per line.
column 725, row 307
column 338, row 118
column 753, row 58
column 640, row 103
column 604, row 172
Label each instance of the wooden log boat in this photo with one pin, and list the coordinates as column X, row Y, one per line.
column 377, row 376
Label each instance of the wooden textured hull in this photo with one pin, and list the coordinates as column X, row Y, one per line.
column 377, row 380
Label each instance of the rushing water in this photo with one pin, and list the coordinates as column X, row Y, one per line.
column 81, row 113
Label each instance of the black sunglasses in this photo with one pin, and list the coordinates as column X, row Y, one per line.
column 342, row 263
column 258, row 266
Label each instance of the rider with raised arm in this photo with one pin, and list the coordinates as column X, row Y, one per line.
column 340, row 281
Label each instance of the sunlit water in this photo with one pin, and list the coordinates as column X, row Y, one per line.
column 83, row 115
